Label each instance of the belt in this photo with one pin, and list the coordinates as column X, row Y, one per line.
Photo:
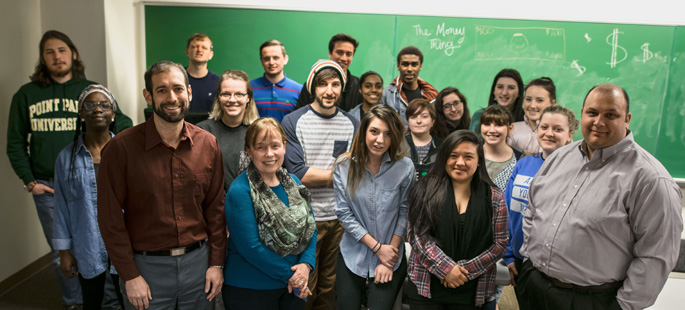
column 172, row 252
column 586, row 289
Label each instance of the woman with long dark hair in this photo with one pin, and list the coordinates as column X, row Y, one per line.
column 371, row 183
column 452, row 112
column 507, row 91
column 457, row 229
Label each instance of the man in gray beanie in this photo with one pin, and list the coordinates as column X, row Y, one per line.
column 317, row 134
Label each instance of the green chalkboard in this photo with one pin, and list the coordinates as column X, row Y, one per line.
column 648, row 61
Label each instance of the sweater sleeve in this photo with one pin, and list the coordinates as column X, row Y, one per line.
column 18, row 129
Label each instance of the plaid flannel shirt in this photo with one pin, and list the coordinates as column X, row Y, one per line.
column 427, row 258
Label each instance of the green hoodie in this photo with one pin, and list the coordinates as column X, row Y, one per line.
column 49, row 115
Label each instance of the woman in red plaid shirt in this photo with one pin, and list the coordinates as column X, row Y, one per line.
column 457, row 229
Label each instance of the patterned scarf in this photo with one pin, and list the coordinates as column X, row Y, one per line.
column 285, row 230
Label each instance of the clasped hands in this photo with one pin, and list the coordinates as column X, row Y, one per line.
column 300, row 279
column 456, row 277
column 388, row 255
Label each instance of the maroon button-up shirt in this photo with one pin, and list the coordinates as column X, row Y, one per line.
column 153, row 197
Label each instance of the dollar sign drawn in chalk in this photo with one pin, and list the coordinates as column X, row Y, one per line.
column 612, row 39
column 646, row 54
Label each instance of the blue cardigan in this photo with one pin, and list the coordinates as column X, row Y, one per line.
column 249, row 263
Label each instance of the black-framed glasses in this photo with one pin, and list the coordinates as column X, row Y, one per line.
column 237, row 96
column 450, row 106
column 91, row 105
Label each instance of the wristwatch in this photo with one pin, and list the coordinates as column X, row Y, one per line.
column 220, row 267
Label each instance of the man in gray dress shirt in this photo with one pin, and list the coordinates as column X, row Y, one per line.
column 603, row 227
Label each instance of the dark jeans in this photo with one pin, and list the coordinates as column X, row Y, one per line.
column 426, row 306
column 238, row 298
column 540, row 294
column 351, row 288
column 93, row 290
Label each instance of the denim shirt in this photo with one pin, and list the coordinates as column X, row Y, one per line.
column 379, row 208
column 76, row 225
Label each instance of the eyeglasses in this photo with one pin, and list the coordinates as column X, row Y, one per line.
column 450, row 106
column 91, row 105
column 237, row 96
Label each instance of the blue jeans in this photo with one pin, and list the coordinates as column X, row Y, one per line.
column 45, row 206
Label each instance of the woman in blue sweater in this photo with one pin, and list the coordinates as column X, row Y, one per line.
column 272, row 247
column 555, row 129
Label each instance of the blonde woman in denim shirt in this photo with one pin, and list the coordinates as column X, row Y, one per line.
column 371, row 183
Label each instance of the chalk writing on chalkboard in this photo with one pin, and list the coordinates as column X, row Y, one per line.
column 578, row 67
column 646, row 54
column 445, row 38
column 536, row 43
column 616, row 49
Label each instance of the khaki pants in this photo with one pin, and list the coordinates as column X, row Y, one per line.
column 322, row 278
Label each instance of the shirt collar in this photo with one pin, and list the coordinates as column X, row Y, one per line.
column 280, row 83
column 607, row 152
column 152, row 137
column 80, row 144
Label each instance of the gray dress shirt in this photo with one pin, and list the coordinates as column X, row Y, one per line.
column 615, row 217
column 379, row 208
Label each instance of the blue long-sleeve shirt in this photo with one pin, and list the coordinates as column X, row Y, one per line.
column 249, row 263
column 76, row 224
column 378, row 208
column 516, row 196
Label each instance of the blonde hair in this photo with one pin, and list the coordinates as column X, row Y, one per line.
column 251, row 113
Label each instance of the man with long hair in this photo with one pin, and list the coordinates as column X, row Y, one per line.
column 47, row 109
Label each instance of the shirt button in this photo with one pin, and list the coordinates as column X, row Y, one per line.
column 564, row 205
column 575, row 186
column 544, row 264
column 547, row 245
column 555, row 224
column 587, row 168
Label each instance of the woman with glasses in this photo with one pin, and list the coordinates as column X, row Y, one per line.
column 76, row 231
column 452, row 112
column 234, row 109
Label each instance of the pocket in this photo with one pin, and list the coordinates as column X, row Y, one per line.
column 339, row 147
column 202, row 181
column 388, row 201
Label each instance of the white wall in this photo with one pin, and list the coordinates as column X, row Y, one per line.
column 23, row 24
column 21, row 237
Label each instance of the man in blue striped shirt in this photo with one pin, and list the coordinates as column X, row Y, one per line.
column 274, row 93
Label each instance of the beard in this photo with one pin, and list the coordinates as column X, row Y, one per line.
column 59, row 73
column 159, row 110
column 320, row 100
